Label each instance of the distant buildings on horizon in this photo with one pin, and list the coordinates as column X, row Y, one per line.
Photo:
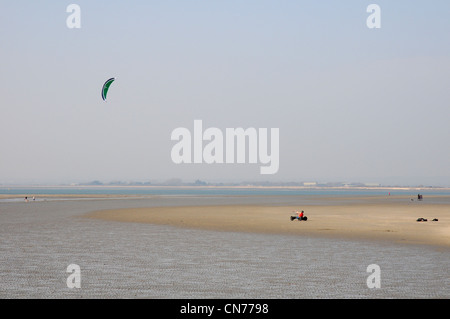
column 177, row 182
column 198, row 182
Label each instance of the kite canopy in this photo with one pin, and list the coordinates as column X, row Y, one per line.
column 106, row 87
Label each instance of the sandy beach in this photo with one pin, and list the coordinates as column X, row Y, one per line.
column 223, row 246
column 374, row 218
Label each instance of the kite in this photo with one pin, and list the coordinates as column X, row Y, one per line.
column 105, row 87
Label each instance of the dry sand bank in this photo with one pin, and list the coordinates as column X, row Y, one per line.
column 372, row 218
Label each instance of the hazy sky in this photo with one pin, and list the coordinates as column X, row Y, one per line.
column 351, row 103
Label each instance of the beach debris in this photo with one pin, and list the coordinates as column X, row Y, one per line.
column 106, row 86
column 421, row 219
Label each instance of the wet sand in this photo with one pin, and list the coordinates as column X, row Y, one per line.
column 373, row 218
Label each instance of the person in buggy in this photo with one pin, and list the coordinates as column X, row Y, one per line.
column 300, row 216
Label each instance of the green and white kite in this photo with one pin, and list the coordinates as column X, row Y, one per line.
column 106, row 86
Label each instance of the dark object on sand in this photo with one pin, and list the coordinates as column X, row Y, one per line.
column 295, row 217
column 422, row 219
column 435, row 220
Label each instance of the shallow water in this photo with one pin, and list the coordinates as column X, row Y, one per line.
column 39, row 240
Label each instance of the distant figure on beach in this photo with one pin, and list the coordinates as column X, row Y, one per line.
column 26, row 198
column 34, row 198
column 300, row 216
column 419, row 197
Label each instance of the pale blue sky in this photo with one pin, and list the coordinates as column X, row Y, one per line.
column 351, row 103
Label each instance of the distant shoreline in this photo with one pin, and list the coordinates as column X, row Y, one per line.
column 235, row 187
column 109, row 191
